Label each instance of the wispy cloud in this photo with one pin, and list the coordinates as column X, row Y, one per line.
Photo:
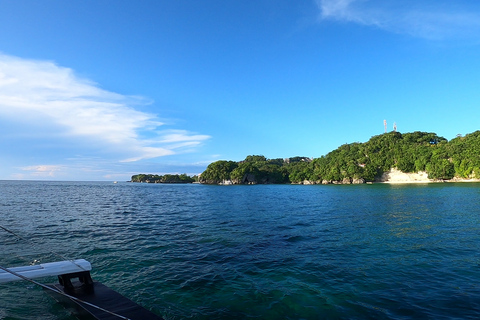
column 435, row 20
column 42, row 94
column 40, row 171
column 181, row 138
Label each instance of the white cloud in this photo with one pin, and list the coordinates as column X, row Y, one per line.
column 436, row 20
column 181, row 136
column 148, row 153
column 41, row 171
column 340, row 9
column 50, row 96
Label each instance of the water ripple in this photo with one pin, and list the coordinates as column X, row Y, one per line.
column 254, row 252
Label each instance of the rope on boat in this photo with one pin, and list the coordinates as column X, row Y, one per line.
column 34, row 244
column 61, row 293
column 53, row 289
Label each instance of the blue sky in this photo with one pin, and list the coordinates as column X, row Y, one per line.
column 102, row 90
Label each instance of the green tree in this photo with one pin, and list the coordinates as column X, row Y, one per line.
column 218, row 171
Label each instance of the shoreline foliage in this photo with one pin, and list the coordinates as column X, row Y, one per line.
column 167, row 178
column 409, row 152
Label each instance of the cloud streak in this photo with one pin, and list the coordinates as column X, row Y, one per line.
column 434, row 20
column 41, row 94
column 42, row 171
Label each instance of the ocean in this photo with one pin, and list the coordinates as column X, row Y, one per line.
column 251, row 252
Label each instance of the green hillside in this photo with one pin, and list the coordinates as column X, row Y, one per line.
column 360, row 162
column 168, row 178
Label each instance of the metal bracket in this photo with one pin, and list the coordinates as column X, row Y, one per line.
column 84, row 278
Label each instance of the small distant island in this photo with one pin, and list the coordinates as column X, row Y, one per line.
column 389, row 157
column 167, row 178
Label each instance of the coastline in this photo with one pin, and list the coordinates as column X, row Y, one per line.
column 395, row 176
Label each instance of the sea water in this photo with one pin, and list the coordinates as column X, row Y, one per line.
column 251, row 252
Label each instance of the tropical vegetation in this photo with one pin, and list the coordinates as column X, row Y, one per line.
column 168, row 178
column 360, row 162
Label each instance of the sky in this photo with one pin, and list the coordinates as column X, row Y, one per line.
column 105, row 89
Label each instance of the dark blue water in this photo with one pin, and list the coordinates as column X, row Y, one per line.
column 252, row 252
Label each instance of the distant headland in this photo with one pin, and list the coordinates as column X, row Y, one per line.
column 168, row 178
column 392, row 157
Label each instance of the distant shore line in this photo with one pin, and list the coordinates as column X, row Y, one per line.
column 394, row 176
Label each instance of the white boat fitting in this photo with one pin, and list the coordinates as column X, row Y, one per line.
column 46, row 270
column 94, row 298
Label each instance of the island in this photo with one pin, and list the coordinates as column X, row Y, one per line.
column 167, row 178
column 392, row 157
column 389, row 157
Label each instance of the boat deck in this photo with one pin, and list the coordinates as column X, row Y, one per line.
column 106, row 298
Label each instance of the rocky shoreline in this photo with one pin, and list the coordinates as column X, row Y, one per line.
column 394, row 176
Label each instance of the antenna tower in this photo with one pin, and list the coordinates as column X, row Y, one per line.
column 394, row 127
column 385, row 125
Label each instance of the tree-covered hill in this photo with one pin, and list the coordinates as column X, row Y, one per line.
column 168, row 178
column 360, row 162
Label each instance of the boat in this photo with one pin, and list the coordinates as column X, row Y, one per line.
column 90, row 297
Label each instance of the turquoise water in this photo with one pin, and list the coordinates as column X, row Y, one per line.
column 252, row 252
